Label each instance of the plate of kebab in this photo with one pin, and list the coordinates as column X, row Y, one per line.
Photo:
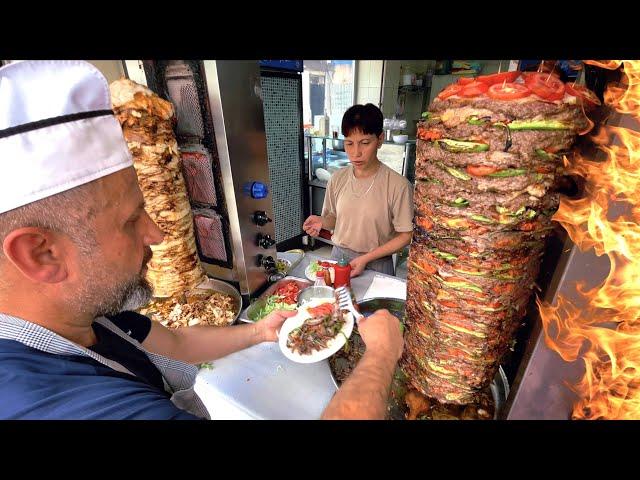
column 318, row 331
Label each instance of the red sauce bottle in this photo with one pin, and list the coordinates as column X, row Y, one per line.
column 343, row 273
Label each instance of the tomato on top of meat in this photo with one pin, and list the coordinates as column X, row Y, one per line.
column 508, row 91
column 473, row 89
column 546, row 86
column 494, row 78
column 450, row 90
column 465, row 80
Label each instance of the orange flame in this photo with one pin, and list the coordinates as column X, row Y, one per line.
column 605, row 334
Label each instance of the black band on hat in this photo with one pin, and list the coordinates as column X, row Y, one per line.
column 72, row 117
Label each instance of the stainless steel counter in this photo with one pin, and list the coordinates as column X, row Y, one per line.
column 261, row 383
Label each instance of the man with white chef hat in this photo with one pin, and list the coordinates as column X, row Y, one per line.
column 74, row 244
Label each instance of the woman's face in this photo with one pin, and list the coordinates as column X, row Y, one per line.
column 362, row 148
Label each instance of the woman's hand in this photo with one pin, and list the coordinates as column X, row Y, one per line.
column 358, row 265
column 269, row 326
column 312, row 225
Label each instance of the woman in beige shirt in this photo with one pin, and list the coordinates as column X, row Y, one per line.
column 368, row 206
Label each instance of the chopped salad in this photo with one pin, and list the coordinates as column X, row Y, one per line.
column 284, row 298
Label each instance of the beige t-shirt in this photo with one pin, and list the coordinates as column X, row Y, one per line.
column 366, row 222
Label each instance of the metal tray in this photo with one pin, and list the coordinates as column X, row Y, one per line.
column 261, row 301
column 224, row 287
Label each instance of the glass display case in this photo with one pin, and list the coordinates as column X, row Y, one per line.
column 325, row 155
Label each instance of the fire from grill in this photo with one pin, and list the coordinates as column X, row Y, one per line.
column 605, row 333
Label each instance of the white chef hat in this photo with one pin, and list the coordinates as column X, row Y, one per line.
column 57, row 130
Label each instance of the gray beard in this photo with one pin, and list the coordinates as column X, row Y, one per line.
column 129, row 296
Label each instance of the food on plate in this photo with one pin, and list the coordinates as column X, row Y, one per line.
column 195, row 307
column 324, row 323
column 488, row 165
column 147, row 125
column 285, row 297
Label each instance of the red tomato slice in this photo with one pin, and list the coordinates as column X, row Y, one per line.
column 548, row 87
column 473, row 89
column 499, row 77
column 583, row 92
column 446, row 303
column 427, row 267
column 424, row 222
column 324, row 309
column 480, row 170
column 465, row 80
column 429, row 135
column 449, row 91
column 508, row 91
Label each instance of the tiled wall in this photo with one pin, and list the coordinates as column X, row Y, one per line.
column 369, row 78
column 282, row 107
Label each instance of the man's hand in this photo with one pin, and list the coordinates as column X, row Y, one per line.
column 269, row 326
column 358, row 265
column 382, row 333
column 364, row 393
column 312, row 225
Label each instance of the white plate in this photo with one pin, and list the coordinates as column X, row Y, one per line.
column 311, row 275
column 333, row 345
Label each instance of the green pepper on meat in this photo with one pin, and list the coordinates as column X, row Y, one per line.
column 538, row 125
column 546, row 155
column 509, row 172
column 475, row 273
column 459, row 146
column 482, row 218
column 430, row 180
column 474, row 120
column 443, row 255
column 454, row 172
column 459, row 285
column 459, row 203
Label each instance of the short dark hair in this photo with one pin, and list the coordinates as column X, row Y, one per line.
column 366, row 118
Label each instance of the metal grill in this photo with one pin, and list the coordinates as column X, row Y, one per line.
column 184, row 95
column 209, row 234
column 196, row 168
column 182, row 83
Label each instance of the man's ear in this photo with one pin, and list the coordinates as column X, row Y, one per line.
column 380, row 139
column 37, row 253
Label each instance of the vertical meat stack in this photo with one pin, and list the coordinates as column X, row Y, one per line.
column 488, row 156
column 147, row 123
